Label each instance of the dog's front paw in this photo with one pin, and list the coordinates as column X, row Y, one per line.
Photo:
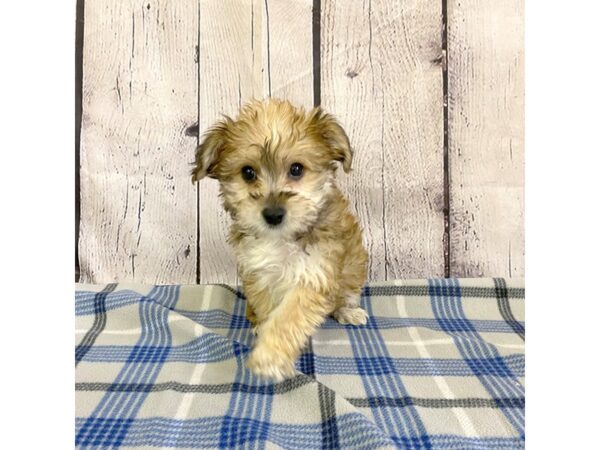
column 350, row 316
column 270, row 365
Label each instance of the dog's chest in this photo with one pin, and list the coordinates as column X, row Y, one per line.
column 280, row 264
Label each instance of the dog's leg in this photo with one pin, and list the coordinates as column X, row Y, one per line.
column 349, row 311
column 258, row 303
column 285, row 332
column 352, row 279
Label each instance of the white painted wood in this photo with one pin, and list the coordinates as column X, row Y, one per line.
column 412, row 137
column 138, row 206
column 486, row 127
column 248, row 49
column 290, row 50
column 382, row 77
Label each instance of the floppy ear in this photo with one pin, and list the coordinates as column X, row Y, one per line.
column 333, row 135
column 207, row 153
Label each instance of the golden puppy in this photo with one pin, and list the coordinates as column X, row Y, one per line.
column 299, row 249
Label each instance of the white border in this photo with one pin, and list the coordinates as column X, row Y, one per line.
column 37, row 185
column 562, row 223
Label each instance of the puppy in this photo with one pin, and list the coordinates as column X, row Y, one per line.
column 299, row 250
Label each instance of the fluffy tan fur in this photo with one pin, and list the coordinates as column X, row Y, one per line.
column 311, row 264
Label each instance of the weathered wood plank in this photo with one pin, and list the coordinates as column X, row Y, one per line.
column 248, row 49
column 413, row 138
column 381, row 75
column 138, row 207
column 290, row 54
column 486, row 117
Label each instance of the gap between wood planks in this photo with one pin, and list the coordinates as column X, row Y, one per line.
column 79, row 8
column 316, row 41
column 446, row 145
column 198, row 137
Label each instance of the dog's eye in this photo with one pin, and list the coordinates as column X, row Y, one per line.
column 248, row 173
column 296, row 170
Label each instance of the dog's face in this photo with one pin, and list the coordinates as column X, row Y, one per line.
column 275, row 164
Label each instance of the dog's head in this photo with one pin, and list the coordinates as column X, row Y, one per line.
column 276, row 165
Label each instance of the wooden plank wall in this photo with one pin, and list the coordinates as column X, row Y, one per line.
column 429, row 206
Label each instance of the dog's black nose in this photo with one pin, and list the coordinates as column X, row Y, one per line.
column 273, row 215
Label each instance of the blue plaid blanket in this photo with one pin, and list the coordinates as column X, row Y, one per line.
column 439, row 365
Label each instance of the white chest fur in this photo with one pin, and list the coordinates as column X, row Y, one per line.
column 281, row 265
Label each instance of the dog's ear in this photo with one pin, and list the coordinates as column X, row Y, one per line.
column 331, row 133
column 207, row 153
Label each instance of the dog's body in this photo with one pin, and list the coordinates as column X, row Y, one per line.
column 299, row 249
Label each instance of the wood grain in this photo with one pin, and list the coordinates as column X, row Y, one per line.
column 381, row 75
column 485, row 127
column 413, row 138
column 248, row 49
column 138, row 207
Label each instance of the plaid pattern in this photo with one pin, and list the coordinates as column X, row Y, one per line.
column 439, row 365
